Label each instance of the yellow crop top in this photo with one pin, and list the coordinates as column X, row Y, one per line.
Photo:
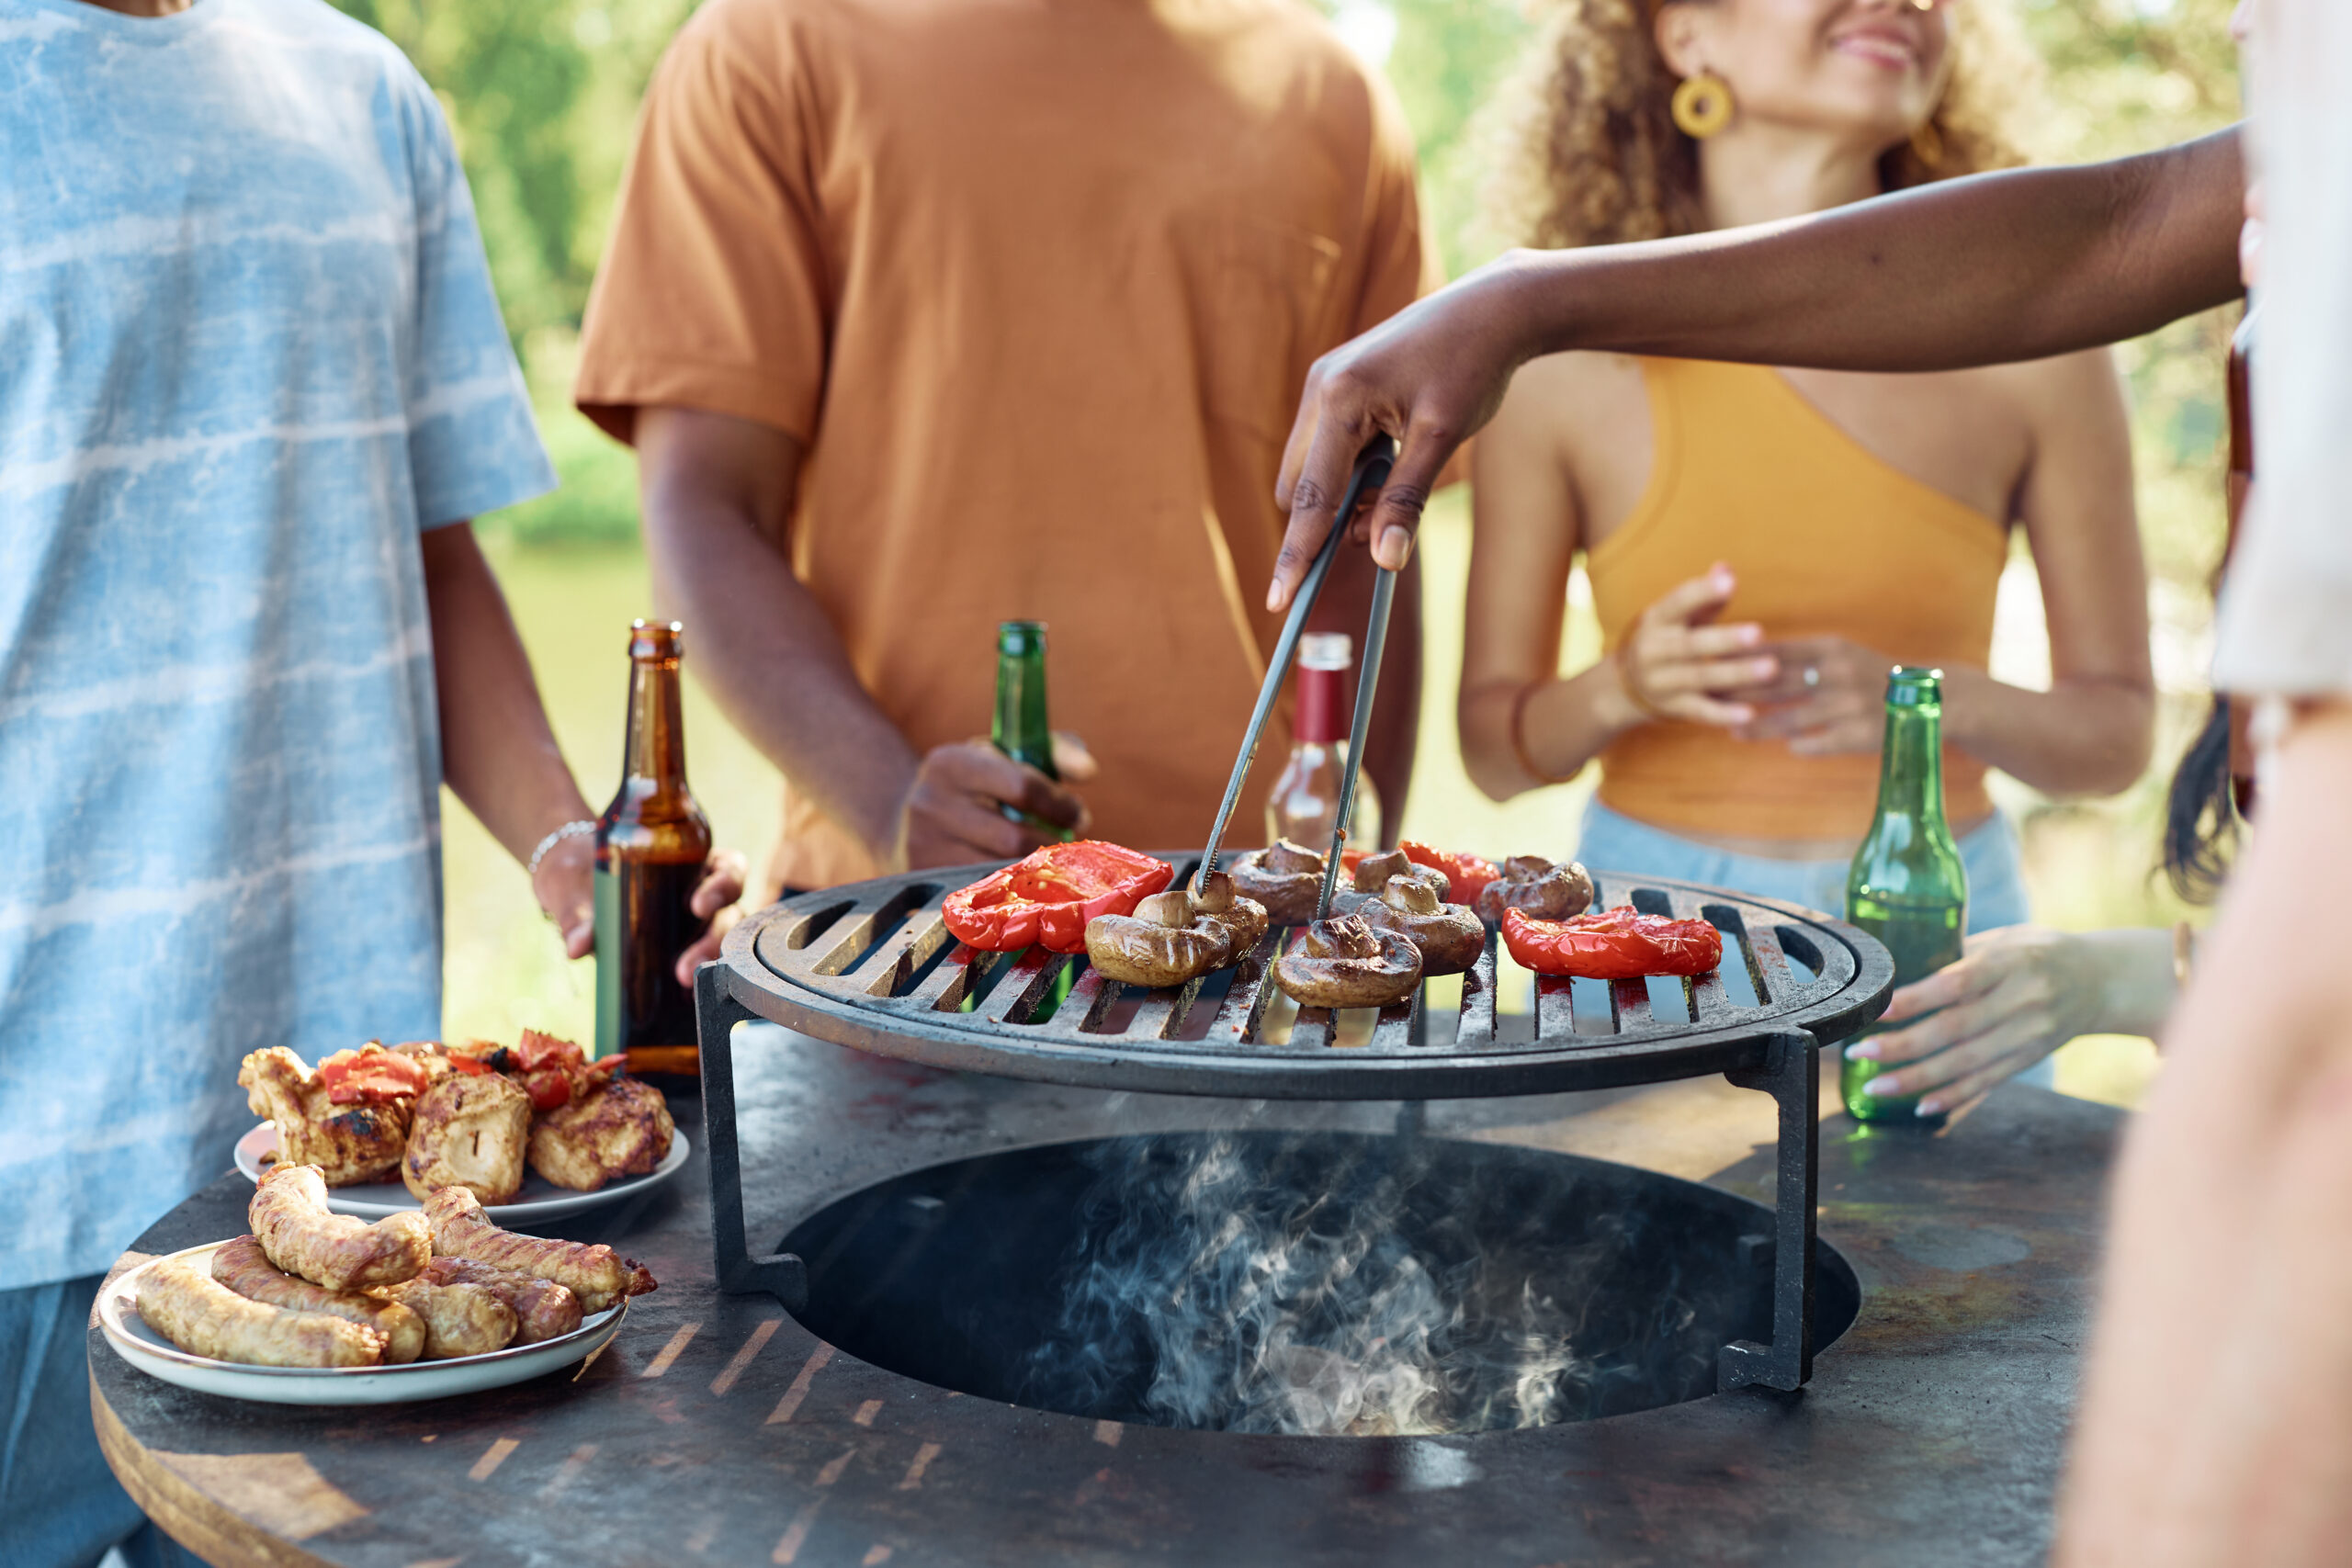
column 1825, row 539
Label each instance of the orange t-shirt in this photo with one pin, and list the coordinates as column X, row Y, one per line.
column 1035, row 283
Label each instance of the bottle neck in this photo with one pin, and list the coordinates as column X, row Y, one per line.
column 1020, row 729
column 657, row 734
column 1322, row 706
column 1911, row 765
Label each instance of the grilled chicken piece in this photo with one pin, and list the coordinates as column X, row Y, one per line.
column 618, row 1128
column 470, row 1131
column 349, row 1143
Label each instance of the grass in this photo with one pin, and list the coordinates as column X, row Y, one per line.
column 574, row 579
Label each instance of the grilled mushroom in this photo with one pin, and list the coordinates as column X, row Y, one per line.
column 1547, row 890
column 1174, row 936
column 1286, row 880
column 1372, row 874
column 1450, row 937
column 1343, row 962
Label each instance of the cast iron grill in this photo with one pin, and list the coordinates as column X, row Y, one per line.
column 872, row 965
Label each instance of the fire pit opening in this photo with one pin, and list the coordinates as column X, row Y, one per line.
column 1333, row 1283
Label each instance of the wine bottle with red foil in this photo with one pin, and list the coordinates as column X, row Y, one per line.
column 651, row 846
column 1305, row 805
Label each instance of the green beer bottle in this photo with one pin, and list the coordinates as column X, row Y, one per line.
column 1019, row 729
column 1907, row 886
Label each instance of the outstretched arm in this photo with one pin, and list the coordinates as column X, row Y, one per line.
column 2018, row 265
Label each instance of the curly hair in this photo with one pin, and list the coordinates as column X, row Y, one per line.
column 1589, row 154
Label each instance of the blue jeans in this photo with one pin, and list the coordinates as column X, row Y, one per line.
column 1613, row 842
column 60, row 1505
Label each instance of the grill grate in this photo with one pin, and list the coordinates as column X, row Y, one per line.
column 873, row 966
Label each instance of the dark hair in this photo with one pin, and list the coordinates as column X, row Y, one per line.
column 2202, row 813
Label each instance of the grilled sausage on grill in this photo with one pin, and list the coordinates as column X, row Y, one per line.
column 199, row 1313
column 598, row 1275
column 459, row 1320
column 1343, row 962
column 1449, row 937
column 1547, row 890
column 290, row 1216
column 1285, row 880
column 543, row 1309
column 1176, row 936
column 246, row 1270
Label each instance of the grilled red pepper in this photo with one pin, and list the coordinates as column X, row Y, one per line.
column 1046, row 899
column 1616, row 945
column 370, row 1076
column 1466, row 876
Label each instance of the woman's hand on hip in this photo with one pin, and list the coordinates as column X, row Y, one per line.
column 2016, row 994
column 1826, row 697
column 1677, row 663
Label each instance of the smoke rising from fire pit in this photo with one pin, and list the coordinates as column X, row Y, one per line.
column 1293, row 1286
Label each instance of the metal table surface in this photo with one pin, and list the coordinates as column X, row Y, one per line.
column 717, row 1429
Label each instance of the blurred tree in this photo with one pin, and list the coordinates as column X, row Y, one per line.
column 541, row 96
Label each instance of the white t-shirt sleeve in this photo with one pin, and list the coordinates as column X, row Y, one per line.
column 2286, row 614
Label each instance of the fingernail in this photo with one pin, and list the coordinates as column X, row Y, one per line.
column 1930, row 1106
column 1396, row 548
column 1879, row 1089
column 1751, row 633
column 1862, row 1051
column 1274, row 596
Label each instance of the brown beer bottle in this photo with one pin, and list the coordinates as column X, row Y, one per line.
column 651, row 846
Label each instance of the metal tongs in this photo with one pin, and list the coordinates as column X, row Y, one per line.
column 1371, row 470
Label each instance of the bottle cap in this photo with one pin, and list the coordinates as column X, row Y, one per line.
column 1914, row 686
column 1325, row 650
column 1020, row 638
column 656, row 639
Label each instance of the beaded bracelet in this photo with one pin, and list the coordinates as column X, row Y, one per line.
column 569, row 831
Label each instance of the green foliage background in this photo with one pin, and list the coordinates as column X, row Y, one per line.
column 543, row 94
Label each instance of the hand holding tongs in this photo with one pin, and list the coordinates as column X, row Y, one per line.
column 1372, row 469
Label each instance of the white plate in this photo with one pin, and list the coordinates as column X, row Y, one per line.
column 135, row 1342
column 540, row 1199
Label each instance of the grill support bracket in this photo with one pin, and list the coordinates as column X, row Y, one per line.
column 741, row 1271
column 1792, row 1075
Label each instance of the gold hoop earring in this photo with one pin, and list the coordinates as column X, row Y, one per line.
column 1701, row 105
column 1927, row 146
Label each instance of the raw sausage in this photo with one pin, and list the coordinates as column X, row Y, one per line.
column 197, row 1313
column 246, row 1270
column 289, row 1215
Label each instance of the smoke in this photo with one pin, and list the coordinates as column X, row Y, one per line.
column 1290, row 1286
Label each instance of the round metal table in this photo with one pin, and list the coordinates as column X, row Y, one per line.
column 717, row 1429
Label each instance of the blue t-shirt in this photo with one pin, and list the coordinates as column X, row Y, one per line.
column 248, row 351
